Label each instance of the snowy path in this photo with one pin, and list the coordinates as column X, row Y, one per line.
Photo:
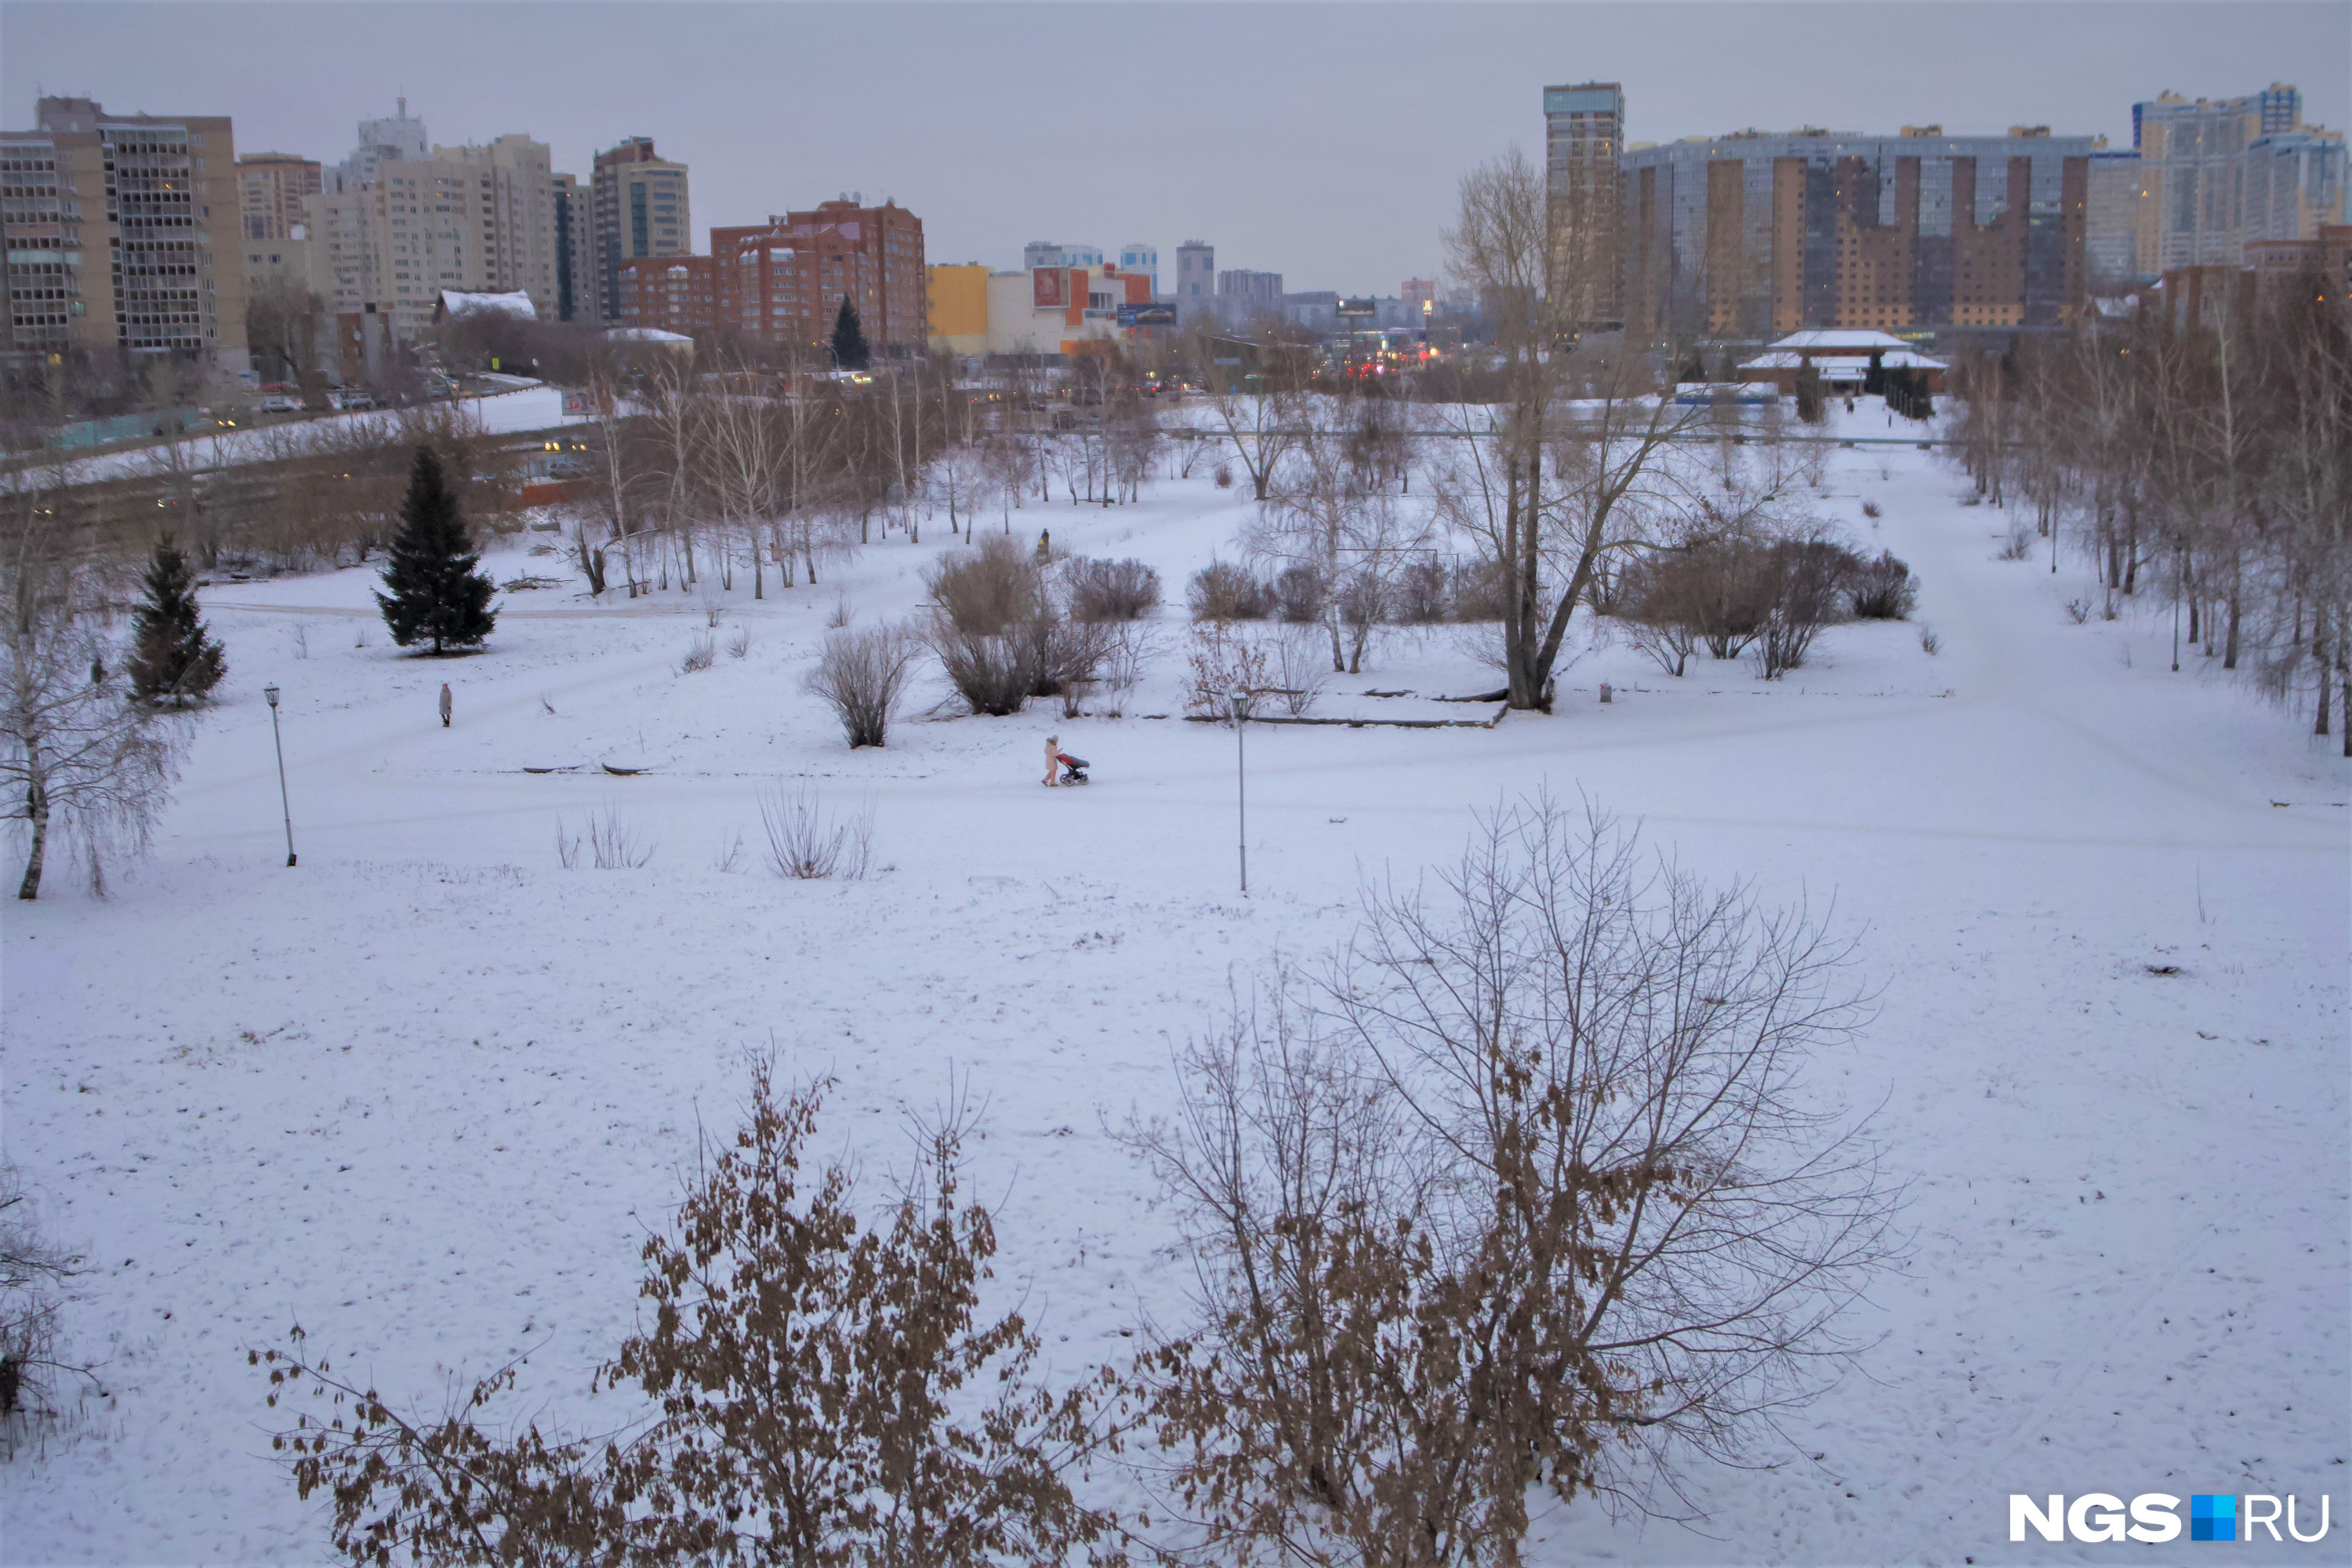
column 422, row 1092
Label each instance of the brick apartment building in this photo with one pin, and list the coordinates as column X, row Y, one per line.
column 781, row 284
column 670, row 293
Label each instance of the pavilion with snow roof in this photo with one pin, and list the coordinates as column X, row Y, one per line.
column 1845, row 357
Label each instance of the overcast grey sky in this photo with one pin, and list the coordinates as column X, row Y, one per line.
column 1319, row 141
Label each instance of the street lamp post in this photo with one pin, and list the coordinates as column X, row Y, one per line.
column 1240, row 701
column 271, row 693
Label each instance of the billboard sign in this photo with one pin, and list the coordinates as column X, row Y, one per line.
column 1358, row 308
column 1151, row 313
column 1049, row 289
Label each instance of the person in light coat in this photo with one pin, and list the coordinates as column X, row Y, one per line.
column 445, row 705
column 1053, row 758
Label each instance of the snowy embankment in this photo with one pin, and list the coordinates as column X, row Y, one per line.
column 423, row 1093
column 536, row 407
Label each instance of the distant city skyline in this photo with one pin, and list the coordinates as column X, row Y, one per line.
column 1326, row 153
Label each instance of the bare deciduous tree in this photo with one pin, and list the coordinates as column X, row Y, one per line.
column 76, row 752
column 1523, row 1191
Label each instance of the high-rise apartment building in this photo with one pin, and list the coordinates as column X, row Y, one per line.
column 2219, row 172
column 782, row 285
column 474, row 220
column 1755, row 235
column 1041, row 253
column 271, row 187
column 1242, row 294
column 637, row 207
column 1584, row 142
column 2118, row 230
column 379, row 139
column 121, row 230
column 570, row 220
column 1196, row 280
column 1140, row 259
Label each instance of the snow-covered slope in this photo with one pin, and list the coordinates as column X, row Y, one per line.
column 421, row 1093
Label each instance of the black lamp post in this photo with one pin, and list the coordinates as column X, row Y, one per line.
column 1241, row 701
column 271, row 693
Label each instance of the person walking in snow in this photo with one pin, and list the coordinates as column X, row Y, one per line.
column 1053, row 758
column 445, row 705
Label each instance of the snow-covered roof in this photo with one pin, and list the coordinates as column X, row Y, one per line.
column 1839, row 340
column 1890, row 359
column 514, row 303
column 646, row 335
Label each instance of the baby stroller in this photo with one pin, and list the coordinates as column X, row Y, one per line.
column 1073, row 769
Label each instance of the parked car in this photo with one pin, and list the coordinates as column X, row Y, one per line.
column 278, row 403
column 356, row 398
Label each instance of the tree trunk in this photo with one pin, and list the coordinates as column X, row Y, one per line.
column 36, row 812
column 2319, row 651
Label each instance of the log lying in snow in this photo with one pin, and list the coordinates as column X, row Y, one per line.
column 620, row 773
column 1362, row 723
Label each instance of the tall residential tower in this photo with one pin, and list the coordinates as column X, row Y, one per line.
column 1584, row 141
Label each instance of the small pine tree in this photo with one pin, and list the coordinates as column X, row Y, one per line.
column 173, row 655
column 849, row 350
column 435, row 591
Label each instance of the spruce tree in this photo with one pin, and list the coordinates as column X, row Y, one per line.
column 849, row 350
column 433, row 590
column 173, row 655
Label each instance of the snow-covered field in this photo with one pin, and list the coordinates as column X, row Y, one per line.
column 423, row 1093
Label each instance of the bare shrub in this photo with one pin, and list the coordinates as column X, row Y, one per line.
column 993, row 675
column 808, row 1388
column 1300, row 669
column 729, row 859
column 1809, row 589
column 1424, row 594
column 1524, row 1189
column 1133, row 645
column 1225, row 475
column 700, row 655
column 1478, row 592
column 2078, row 610
column 610, row 842
column 739, row 643
column 1110, row 590
column 841, row 614
column 1667, row 639
column 987, row 589
column 1884, row 589
column 1301, row 594
column 807, row 843
column 1221, row 591
column 1870, row 508
column 31, row 1271
column 2019, row 545
column 1930, row 643
column 1222, row 660
column 861, row 675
